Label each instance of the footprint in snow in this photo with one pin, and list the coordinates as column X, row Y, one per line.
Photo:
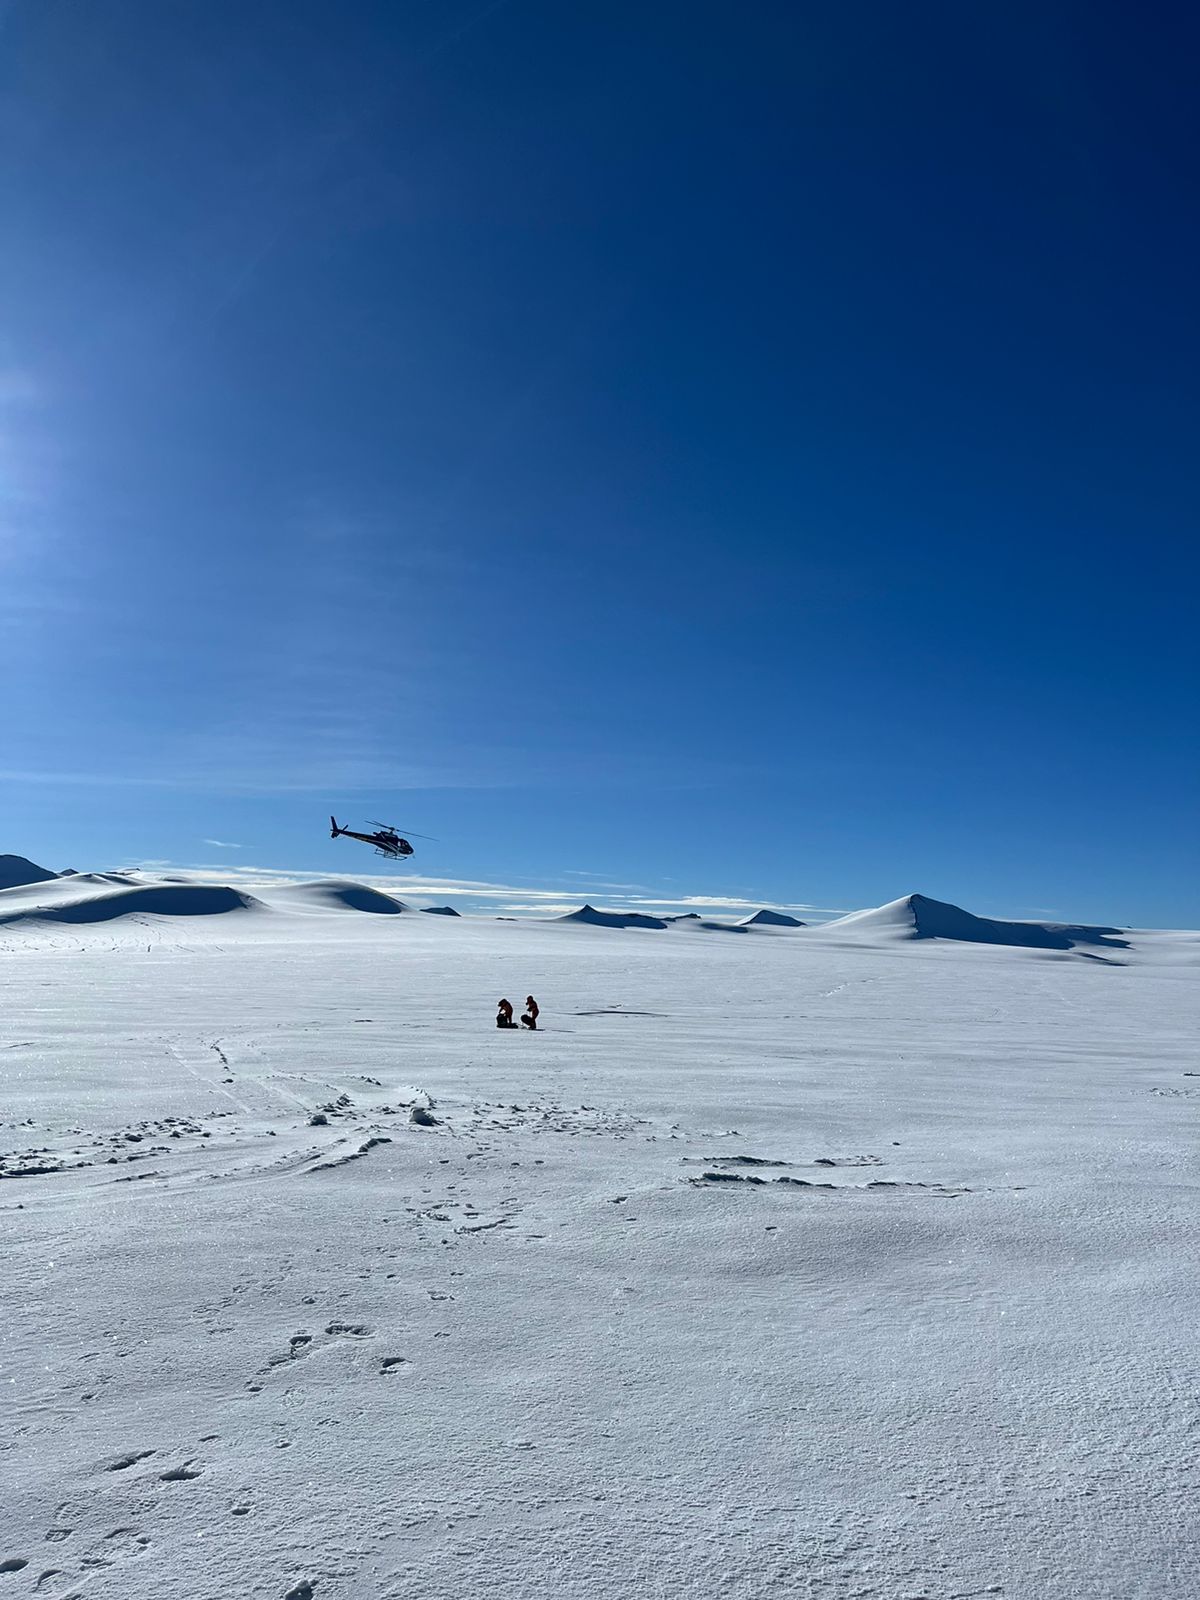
column 848, row 1161
column 297, row 1346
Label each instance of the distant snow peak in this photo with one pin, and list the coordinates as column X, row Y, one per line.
column 32, row 895
column 684, row 921
column 611, row 919
column 17, row 871
column 916, row 916
column 771, row 919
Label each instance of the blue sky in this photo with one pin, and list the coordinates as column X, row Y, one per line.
column 743, row 452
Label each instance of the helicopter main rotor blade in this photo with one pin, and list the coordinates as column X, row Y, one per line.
column 391, row 828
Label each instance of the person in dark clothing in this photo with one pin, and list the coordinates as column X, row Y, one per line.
column 504, row 1015
column 529, row 1020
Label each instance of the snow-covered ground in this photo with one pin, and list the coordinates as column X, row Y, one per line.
column 797, row 1262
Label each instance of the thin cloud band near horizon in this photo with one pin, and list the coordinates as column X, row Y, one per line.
column 497, row 896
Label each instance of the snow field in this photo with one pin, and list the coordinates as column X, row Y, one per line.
column 602, row 1330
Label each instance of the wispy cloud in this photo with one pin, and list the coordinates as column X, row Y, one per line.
column 597, row 880
column 346, row 780
column 483, row 895
column 223, row 844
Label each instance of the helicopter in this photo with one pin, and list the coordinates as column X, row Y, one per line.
column 386, row 840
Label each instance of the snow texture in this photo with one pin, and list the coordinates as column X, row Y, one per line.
column 839, row 1262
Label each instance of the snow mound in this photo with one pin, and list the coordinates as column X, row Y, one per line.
column 163, row 900
column 915, row 916
column 338, row 894
column 611, row 919
column 17, row 871
column 694, row 922
column 439, row 911
column 771, row 919
column 123, row 880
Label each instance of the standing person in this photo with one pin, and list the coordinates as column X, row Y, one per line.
column 529, row 1020
column 504, row 1015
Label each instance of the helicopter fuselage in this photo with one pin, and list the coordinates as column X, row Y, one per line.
column 385, row 843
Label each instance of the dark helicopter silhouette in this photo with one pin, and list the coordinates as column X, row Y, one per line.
column 386, row 840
